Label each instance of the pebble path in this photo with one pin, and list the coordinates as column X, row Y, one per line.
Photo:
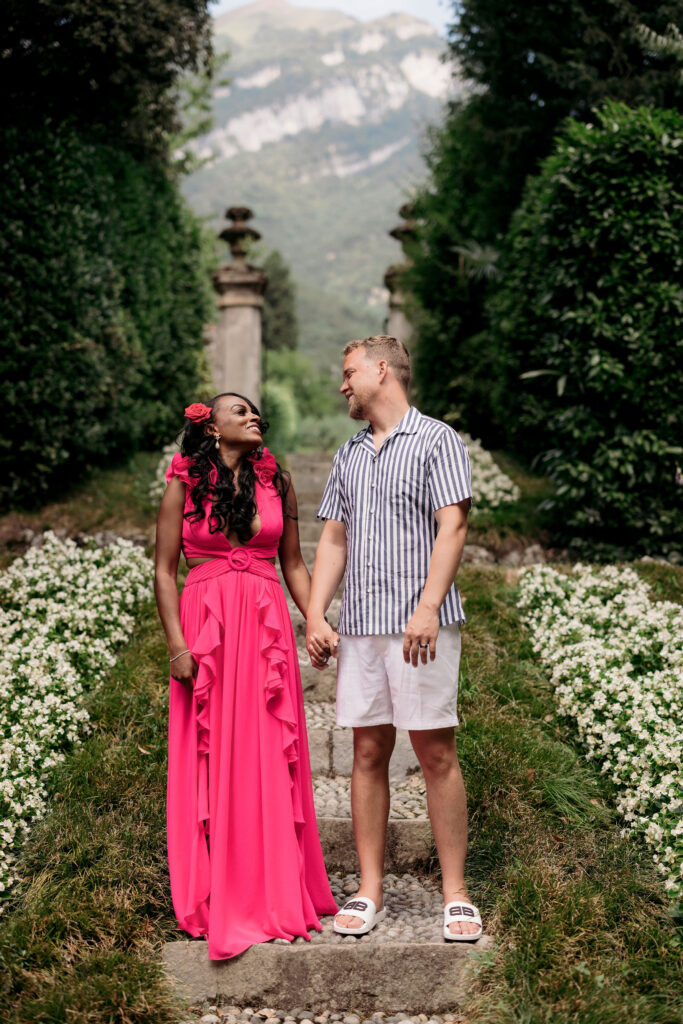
column 321, row 715
column 332, row 797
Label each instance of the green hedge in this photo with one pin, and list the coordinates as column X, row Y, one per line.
column 105, row 298
column 590, row 317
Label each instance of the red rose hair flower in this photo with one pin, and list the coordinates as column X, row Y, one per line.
column 198, row 412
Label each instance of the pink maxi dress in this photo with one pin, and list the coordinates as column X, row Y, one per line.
column 243, row 848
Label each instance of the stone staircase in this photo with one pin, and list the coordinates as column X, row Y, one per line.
column 403, row 965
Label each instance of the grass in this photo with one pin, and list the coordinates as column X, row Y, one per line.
column 109, row 499
column 581, row 919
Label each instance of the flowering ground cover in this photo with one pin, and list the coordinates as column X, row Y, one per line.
column 491, row 487
column 616, row 664
column 158, row 484
column 64, row 611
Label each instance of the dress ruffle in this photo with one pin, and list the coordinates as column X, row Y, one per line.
column 179, row 467
column 276, row 685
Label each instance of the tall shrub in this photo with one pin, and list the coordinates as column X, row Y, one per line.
column 103, row 303
column 532, row 65
column 590, row 317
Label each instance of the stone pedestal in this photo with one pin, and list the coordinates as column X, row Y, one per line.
column 235, row 349
column 398, row 325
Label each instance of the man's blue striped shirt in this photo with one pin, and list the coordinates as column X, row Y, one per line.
column 387, row 501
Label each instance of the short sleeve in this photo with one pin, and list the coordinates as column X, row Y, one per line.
column 179, row 467
column 331, row 503
column 449, row 475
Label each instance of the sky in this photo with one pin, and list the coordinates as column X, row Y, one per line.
column 438, row 12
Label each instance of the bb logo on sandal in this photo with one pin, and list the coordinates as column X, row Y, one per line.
column 355, row 905
column 461, row 912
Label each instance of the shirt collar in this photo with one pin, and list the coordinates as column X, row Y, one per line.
column 409, row 424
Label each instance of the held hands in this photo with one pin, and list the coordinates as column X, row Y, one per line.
column 184, row 669
column 321, row 642
column 420, row 637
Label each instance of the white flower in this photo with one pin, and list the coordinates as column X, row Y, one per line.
column 63, row 612
column 615, row 661
column 491, row 487
column 158, row 484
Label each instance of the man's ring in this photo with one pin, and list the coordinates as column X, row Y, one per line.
column 423, row 645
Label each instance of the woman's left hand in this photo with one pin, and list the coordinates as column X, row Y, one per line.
column 184, row 670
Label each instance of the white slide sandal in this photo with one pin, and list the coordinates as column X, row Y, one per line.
column 462, row 911
column 364, row 908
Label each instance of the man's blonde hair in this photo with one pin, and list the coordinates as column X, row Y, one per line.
column 383, row 346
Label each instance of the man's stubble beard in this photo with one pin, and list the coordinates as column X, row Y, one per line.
column 355, row 409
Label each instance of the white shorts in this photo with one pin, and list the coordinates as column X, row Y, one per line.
column 376, row 687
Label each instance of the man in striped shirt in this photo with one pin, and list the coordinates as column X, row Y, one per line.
column 395, row 510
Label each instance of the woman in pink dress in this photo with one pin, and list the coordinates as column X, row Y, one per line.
column 243, row 847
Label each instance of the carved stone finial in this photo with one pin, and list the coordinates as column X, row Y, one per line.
column 405, row 233
column 239, row 231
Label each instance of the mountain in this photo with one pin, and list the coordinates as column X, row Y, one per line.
column 319, row 132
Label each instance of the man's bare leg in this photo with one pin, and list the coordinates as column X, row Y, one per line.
column 447, row 806
column 372, row 749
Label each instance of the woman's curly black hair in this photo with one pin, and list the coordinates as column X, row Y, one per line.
column 229, row 510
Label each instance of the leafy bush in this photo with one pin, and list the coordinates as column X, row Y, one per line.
column 316, row 394
column 279, row 408
column 113, row 68
column 590, row 314
column 280, row 327
column 105, row 300
column 326, row 433
column 530, row 70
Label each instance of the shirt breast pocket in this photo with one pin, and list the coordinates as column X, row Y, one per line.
column 407, row 497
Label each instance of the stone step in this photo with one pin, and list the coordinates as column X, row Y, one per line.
column 304, row 462
column 318, row 685
column 409, row 846
column 299, row 624
column 310, row 529
column 403, row 965
column 332, row 747
column 308, row 550
column 310, row 494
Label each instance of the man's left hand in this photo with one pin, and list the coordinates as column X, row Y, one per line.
column 420, row 637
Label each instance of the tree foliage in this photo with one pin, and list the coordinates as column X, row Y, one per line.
column 104, row 301
column 532, row 65
column 590, row 322
column 111, row 68
column 280, row 327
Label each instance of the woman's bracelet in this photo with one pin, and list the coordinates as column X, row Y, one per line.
column 179, row 655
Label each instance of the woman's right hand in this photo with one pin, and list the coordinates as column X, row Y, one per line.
column 184, row 669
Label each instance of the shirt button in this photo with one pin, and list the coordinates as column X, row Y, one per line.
column 368, row 591
column 372, row 511
column 374, row 485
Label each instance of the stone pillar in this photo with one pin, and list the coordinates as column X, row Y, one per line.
column 235, row 349
column 398, row 325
